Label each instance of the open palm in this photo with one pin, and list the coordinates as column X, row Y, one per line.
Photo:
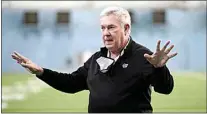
column 27, row 64
column 160, row 57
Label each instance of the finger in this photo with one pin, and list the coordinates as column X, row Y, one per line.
column 169, row 49
column 165, row 46
column 26, row 65
column 21, row 57
column 16, row 58
column 147, row 56
column 158, row 45
column 172, row 55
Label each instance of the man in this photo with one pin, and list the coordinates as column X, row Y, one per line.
column 120, row 75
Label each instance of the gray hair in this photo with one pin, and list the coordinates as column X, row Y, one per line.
column 122, row 14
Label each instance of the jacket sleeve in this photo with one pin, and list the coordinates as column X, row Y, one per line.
column 66, row 82
column 162, row 80
column 159, row 78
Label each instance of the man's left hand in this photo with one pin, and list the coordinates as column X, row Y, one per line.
column 160, row 57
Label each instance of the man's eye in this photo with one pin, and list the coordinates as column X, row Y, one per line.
column 110, row 27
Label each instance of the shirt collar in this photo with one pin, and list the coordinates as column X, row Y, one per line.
column 122, row 51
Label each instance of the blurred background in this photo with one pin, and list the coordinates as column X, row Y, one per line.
column 61, row 35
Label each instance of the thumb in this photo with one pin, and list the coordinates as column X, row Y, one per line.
column 147, row 56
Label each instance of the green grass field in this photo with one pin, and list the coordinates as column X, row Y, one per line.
column 189, row 95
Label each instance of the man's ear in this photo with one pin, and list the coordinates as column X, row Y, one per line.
column 126, row 28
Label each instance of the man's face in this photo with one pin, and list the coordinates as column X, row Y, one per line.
column 112, row 32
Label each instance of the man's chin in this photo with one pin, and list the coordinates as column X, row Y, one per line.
column 109, row 47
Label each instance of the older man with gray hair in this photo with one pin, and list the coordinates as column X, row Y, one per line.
column 120, row 75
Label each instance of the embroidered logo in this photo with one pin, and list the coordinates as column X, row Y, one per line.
column 125, row 65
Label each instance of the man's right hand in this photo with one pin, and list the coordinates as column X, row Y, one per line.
column 27, row 64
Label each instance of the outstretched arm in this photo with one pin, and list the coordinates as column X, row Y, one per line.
column 69, row 83
column 65, row 82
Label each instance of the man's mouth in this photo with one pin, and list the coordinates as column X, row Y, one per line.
column 109, row 40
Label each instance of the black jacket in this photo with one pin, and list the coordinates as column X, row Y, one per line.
column 120, row 89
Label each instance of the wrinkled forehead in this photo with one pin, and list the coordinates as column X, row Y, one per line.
column 109, row 20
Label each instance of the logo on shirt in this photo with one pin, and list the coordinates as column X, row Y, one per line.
column 125, row 65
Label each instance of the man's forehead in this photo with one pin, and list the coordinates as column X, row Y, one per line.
column 109, row 21
column 103, row 24
column 109, row 17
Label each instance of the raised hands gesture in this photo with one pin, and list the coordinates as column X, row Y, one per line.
column 160, row 57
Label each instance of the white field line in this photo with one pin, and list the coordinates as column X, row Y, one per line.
column 20, row 90
column 4, row 105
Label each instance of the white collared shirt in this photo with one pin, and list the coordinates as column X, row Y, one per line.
column 122, row 52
